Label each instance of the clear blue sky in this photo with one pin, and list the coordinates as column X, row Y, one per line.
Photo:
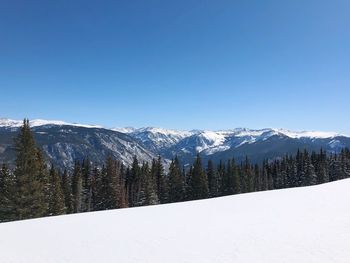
column 178, row 64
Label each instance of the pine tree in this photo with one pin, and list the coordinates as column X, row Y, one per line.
column 248, row 176
column 150, row 186
column 133, row 181
column 67, row 192
column 86, row 185
column 213, row 180
column 77, row 188
column 236, row 178
column 147, row 193
column 7, row 189
column 221, row 178
column 111, row 184
column 227, row 179
column 122, row 193
column 30, row 196
column 56, row 200
column 175, row 182
column 198, row 181
column 157, row 170
column 311, row 177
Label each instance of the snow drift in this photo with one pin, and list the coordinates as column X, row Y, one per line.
column 308, row 224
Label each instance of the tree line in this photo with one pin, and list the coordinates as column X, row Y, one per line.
column 32, row 189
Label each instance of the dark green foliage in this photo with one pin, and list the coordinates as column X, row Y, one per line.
column 31, row 190
column 147, row 194
column 175, row 182
column 29, row 195
column 67, row 192
column 213, row 180
column 198, row 181
column 56, row 196
column 7, row 188
column 86, row 186
column 157, row 171
column 77, row 188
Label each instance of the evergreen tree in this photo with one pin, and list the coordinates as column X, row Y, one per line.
column 221, row 178
column 213, row 180
column 236, row 179
column 111, row 184
column 77, row 188
column 67, row 192
column 157, row 171
column 7, row 188
column 134, row 182
column 86, row 185
column 56, row 199
column 176, row 183
column 198, row 181
column 30, row 198
column 150, row 189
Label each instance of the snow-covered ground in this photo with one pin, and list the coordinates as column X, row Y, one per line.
column 308, row 224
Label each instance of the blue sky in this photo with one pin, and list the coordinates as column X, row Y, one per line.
column 178, row 64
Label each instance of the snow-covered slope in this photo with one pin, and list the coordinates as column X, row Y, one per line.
column 210, row 142
column 76, row 141
column 308, row 224
column 4, row 122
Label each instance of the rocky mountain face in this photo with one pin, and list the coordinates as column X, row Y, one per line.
column 63, row 143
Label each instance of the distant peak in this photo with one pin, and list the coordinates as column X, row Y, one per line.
column 5, row 122
column 238, row 132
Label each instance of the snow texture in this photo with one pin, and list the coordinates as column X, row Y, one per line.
column 309, row 224
column 38, row 122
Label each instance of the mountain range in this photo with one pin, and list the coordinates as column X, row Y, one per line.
column 63, row 142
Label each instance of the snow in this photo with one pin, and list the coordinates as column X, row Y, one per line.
column 308, row 224
column 39, row 122
column 124, row 129
column 211, row 141
column 215, row 136
column 308, row 134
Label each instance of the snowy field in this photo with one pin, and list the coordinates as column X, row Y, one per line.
column 310, row 224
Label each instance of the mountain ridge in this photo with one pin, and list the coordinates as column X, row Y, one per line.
column 65, row 142
column 239, row 131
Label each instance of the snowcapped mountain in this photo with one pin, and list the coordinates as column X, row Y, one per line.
column 64, row 142
column 156, row 139
column 305, row 224
column 4, row 122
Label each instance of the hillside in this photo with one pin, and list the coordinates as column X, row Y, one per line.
column 309, row 224
column 63, row 143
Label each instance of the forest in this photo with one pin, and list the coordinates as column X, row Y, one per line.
column 32, row 189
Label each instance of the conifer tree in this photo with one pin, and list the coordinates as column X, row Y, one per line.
column 67, row 192
column 227, row 179
column 213, row 181
column 111, row 184
column 56, row 199
column 175, row 182
column 30, row 198
column 86, row 185
column 77, row 188
column 236, row 178
column 157, row 171
column 221, row 174
column 7, row 188
column 133, row 180
column 198, row 181
column 151, row 187
column 122, row 191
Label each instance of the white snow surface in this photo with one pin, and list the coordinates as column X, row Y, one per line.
column 215, row 136
column 4, row 122
column 309, row 224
